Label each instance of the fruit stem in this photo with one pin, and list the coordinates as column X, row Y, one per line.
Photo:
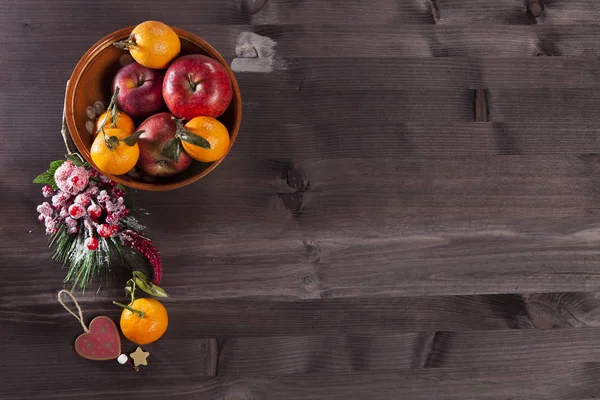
column 133, row 310
column 191, row 81
column 112, row 111
column 111, row 142
column 132, row 291
column 126, row 44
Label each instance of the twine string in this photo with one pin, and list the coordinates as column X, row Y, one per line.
column 80, row 317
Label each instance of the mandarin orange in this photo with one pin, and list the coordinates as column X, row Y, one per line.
column 144, row 321
column 214, row 132
column 114, row 158
column 152, row 44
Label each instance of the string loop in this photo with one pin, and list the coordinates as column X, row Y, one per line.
column 80, row 317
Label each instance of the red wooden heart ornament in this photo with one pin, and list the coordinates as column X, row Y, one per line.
column 101, row 341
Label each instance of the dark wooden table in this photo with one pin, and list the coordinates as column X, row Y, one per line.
column 411, row 210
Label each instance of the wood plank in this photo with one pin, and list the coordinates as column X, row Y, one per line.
column 319, row 138
column 334, row 41
column 397, row 351
column 417, row 226
column 267, row 317
column 312, row 12
column 232, row 12
column 576, row 107
column 401, row 73
column 428, row 73
column 572, row 381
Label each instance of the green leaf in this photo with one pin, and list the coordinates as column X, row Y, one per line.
column 194, row 139
column 112, row 142
column 54, row 166
column 123, row 188
column 47, row 178
column 172, row 149
column 133, row 138
column 142, row 281
column 76, row 159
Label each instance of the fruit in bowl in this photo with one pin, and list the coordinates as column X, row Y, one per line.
column 203, row 138
column 158, row 130
column 140, row 90
column 196, row 85
column 153, row 44
column 114, row 118
column 114, row 151
column 106, row 67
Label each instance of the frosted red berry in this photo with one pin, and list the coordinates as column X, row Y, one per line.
column 104, row 230
column 94, row 211
column 76, row 211
column 91, row 243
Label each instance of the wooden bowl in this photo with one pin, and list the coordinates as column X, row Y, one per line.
column 91, row 81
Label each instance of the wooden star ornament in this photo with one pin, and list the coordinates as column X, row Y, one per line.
column 139, row 357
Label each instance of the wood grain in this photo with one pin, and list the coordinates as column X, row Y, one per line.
column 265, row 317
column 416, row 227
column 354, row 353
column 410, row 210
column 306, row 41
column 516, row 382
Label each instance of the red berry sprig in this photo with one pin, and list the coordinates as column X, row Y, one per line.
column 146, row 248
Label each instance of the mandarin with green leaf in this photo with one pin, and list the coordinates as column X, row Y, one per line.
column 115, row 151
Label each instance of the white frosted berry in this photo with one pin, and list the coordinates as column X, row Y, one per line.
column 103, row 196
column 83, row 199
column 60, row 199
column 70, row 222
column 47, row 191
column 45, row 209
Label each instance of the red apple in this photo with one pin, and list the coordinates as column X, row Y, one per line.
column 158, row 129
column 140, row 90
column 197, row 85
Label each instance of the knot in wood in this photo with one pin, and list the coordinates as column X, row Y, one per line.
column 535, row 8
column 253, row 6
column 309, row 280
column 313, row 251
column 293, row 201
column 296, row 180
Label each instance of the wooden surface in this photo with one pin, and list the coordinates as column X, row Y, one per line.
column 411, row 209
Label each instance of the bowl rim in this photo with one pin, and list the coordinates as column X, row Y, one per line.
column 83, row 65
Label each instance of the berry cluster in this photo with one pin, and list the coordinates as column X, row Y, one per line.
column 86, row 201
column 90, row 206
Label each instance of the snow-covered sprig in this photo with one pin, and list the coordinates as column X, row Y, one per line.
column 89, row 223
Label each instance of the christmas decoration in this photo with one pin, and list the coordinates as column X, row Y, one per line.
column 139, row 357
column 101, row 341
column 90, row 224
